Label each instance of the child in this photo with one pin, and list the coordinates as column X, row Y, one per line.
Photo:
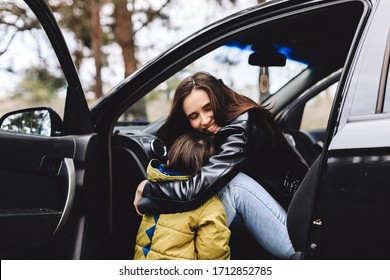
column 198, row 234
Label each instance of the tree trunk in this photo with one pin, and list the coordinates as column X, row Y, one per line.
column 96, row 38
column 124, row 32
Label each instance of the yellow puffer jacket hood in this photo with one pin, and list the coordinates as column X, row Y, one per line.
column 154, row 174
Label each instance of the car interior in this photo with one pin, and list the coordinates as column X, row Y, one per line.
column 318, row 39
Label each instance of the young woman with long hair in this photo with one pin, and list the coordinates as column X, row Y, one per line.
column 253, row 170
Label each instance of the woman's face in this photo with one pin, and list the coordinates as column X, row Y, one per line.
column 197, row 108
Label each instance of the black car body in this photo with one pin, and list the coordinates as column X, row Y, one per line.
column 69, row 195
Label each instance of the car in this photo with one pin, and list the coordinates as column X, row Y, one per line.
column 68, row 178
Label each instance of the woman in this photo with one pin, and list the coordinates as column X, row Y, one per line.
column 253, row 168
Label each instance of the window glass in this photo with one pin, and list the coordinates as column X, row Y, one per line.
column 30, row 74
column 227, row 63
column 386, row 108
column 365, row 81
column 317, row 110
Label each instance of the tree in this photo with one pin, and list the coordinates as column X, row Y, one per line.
column 83, row 19
column 40, row 81
column 124, row 34
column 96, row 39
column 11, row 25
column 96, row 24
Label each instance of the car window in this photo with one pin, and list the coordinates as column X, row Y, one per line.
column 367, row 79
column 30, row 74
column 226, row 62
column 386, row 108
column 317, row 110
column 386, row 69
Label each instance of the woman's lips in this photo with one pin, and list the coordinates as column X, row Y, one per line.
column 213, row 128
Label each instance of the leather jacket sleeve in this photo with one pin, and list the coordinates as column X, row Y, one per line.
column 179, row 196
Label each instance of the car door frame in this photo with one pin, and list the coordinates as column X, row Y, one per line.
column 40, row 169
column 353, row 202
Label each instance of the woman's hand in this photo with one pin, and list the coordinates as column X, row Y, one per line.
column 138, row 195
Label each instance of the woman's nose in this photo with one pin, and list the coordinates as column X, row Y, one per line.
column 205, row 119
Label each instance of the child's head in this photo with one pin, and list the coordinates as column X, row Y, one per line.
column 189, row 152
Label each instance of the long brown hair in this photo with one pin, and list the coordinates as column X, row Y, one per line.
column 189, row 152
column 226, row 105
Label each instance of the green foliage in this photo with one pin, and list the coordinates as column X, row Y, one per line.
column 39, row 84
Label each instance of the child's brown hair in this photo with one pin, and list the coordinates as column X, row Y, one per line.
column 189, row 152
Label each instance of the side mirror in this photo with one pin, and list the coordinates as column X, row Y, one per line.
column 39, row 121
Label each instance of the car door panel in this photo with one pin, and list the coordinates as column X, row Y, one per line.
column 357, row 204
column 38, row 186
column 356, row 193
column 353, row 203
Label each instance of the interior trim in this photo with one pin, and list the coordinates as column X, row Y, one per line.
column 71, row 174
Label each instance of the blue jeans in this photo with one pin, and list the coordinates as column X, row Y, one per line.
column 261, row 213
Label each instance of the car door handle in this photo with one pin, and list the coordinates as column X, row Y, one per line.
column 68, row 169
column 51, row 165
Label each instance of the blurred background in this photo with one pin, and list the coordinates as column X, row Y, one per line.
column 108, row 39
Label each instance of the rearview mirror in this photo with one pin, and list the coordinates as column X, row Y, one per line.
column 267, row 59
column 39, row 121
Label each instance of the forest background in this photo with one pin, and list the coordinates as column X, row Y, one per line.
column 110, row 39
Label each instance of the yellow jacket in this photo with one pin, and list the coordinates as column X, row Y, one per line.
column 198, row 234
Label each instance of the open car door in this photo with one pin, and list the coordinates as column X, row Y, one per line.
column 46, row 164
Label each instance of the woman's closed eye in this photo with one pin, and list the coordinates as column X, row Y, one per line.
column 207, row 108
column 192, row 116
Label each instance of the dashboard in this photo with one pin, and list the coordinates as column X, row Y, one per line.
column 142, row 140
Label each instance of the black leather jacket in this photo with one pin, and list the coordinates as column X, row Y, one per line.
column 242, row 146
